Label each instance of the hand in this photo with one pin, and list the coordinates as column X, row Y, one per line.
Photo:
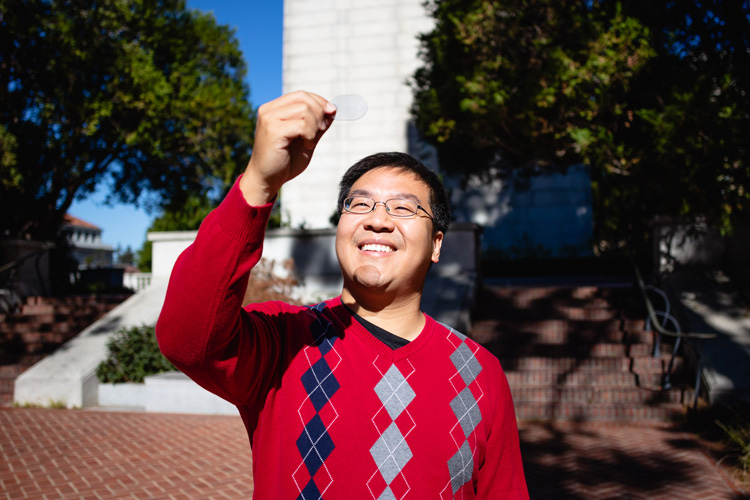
column 286, row 133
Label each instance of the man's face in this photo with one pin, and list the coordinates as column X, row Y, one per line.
column 378, row 252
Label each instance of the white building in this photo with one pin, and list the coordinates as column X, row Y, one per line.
column 86, row 240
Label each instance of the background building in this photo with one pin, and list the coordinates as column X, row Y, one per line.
column 86, row 241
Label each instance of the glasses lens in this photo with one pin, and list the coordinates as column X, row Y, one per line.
column 401, row 208
column 358, row 205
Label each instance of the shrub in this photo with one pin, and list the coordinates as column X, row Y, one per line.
column 736, row 425
column 133, row 354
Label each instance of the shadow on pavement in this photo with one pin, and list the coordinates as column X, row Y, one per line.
column 619, row 461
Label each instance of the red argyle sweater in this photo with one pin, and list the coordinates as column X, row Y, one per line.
column 331, row 411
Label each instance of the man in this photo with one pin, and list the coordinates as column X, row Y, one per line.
column 362, row 396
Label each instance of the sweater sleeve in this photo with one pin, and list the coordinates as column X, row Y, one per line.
column 202, row 328
column 501, row 475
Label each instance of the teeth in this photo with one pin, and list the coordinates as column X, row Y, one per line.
column 376, row 248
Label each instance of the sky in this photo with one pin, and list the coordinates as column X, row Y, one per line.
column 258, row 28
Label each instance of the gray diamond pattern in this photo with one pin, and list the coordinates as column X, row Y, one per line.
column 394, row 392
column 387, row 495
column 461, row 466
column 391, row 453
column 466, row 364
column 467, row 411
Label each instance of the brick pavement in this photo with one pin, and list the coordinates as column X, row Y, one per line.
column 50, row 454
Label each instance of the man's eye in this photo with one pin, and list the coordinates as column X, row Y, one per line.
column 403, row 209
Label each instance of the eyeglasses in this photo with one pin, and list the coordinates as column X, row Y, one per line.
column 396, row 207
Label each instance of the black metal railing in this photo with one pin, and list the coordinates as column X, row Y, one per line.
column 657, row 321
column 8, row 279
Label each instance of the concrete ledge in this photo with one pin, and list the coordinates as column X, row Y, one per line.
column 127, row 395
column 171, row 392
column 174, row 392
column 708, row 303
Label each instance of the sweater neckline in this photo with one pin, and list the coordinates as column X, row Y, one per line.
column 352, row 325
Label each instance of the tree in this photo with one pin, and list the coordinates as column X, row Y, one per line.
column 187, row 217
column 144, row 95
column 654, row 97
column 126, row 256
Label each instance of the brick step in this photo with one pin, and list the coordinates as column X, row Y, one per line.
column 576, row 351
column 541, row 322
column 77, row 300
column 56, row 316
column 42, row 325
column 556, row 332
column 498, row 306
column 520, row 299
column 602, row 412
column 593, row 363
column 7, row 385
column 525, row 295
column 599, row 395
column 567, row 307
column 10, row 368
column 553, row 378
column 11, row 371
column 35, row 343
column 8, row 375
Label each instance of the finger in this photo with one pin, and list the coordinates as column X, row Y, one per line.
column 297, row 104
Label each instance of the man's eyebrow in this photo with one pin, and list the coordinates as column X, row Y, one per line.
column 406, row 196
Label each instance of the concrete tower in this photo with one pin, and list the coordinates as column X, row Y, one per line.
column 334, row 47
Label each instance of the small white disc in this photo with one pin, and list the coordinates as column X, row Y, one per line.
column 349, row 107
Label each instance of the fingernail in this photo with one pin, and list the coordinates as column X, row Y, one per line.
column 330, row 107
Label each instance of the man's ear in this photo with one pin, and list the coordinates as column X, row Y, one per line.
column 437, row 244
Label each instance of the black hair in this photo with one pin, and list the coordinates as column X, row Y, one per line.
column 439, row 204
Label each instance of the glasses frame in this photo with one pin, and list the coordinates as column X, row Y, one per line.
column 384, row 203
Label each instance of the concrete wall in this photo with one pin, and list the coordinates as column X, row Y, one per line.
column 552, row 217
column 312, row 250
column 678, row 244
column 449, row 291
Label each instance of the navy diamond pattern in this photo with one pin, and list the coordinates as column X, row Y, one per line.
column 314, row 443
column 320, row 383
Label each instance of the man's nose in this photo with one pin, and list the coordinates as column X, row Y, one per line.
column 379, row 219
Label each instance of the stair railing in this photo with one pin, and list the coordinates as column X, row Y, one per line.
column 13, row 266
column 691, row 338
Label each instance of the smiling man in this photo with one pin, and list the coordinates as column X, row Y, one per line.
column 362, row 396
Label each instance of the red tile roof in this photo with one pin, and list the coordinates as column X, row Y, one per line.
column 75, row 221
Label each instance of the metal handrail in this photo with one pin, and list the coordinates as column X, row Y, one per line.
column 25, row 257
column 653, row 320
column 12, row 265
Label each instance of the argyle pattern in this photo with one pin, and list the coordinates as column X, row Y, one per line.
column 316, row 412
column 465, row 407
column 393, row 422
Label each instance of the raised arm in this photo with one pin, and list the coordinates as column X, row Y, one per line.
column 202, row 328
column 288, row 130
